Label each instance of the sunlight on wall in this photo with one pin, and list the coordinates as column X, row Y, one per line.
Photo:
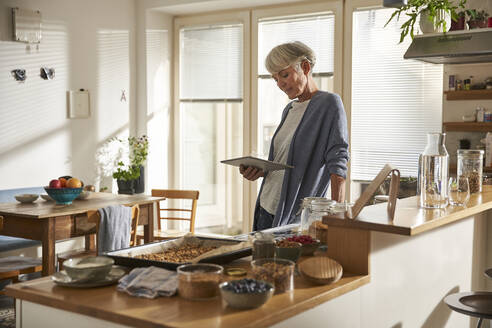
column 112, row 77
column 158, row 99
column 33, row 113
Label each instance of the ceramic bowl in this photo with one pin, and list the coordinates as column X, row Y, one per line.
column 63, row 195
column 88, row 268
column 309, row 249
column 46, row 197
column 85, row 194
column 26, row 198
column 245, row 300
column 289, row 253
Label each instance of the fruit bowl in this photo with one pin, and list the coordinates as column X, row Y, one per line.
column 63, row 196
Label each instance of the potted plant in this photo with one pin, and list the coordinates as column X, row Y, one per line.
column 129, row 172
column 459, row 23
column 477, row 18
column 434, row 16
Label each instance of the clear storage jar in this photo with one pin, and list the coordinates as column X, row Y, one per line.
column 263, row 246
column 320, row 203
column 318, row 208
column 470, row 165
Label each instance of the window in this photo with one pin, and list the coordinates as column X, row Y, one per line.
column 211, row 119
column 394, row 102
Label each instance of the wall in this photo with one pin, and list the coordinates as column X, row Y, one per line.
column 91, row 45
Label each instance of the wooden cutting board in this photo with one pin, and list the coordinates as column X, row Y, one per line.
column 321, row 270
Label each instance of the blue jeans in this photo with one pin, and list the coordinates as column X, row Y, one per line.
column 262, row 220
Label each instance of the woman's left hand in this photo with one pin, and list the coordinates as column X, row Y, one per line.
column 251, row 173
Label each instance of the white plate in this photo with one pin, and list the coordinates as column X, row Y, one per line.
column 61, row 278
column 26, row 198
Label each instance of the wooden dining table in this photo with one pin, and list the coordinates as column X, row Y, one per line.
column 48, row 222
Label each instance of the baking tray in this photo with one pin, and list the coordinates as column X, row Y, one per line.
column 121, row 256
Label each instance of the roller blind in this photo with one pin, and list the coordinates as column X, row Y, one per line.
column 277, row 31
column 395, row 102
column 211, row 62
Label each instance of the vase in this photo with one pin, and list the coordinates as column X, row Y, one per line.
column 139, row 184
column 433, row 172
column 428, row 26
column 473, row 24
column 126, row 187
column 458, row 25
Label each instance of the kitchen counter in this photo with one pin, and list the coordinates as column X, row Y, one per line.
column 116, row 307
column 396, row 273
column 410, row 219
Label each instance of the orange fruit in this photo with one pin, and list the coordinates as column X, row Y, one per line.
column 63, row 182
column 74, row 183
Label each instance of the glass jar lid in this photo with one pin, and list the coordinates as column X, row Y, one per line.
column 470, row 153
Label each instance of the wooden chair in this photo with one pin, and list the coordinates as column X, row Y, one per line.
column 93, row 216
column 13, row 266
column 160, row 234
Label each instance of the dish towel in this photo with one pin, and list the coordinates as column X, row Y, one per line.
column 149, row 282
column 114, row 228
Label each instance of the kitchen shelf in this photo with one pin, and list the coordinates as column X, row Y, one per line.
column 468, row 126
column 468, row 94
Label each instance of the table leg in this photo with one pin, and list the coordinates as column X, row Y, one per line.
column 48, row 246
column 149, row 228
column 90, row 242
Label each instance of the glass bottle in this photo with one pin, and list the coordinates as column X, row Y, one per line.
column 433, row 172
column 470, row 165
column 263, row 246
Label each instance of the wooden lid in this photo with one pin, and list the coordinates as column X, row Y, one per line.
column 321, row 270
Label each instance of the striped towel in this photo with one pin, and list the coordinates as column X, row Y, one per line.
column 149, row 282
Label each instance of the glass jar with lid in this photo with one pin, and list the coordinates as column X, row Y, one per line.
column 263, row 246
column 318, row 208
column 470, row 165
column 307, row 209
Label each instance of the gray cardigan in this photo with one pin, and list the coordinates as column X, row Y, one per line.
column 318, row 149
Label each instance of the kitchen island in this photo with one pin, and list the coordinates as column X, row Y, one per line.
column 396, row 274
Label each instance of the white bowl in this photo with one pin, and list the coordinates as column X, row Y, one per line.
column 88, row 268
column 26, row 198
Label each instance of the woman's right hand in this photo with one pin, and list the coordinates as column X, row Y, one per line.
column 251, row 173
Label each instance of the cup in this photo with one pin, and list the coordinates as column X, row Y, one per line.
column 459, row 191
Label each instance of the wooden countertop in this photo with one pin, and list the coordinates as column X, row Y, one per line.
column 41, row 209
column 108, row 304
column 410, row 219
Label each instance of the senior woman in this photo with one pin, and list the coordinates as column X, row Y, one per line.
column 312, row 137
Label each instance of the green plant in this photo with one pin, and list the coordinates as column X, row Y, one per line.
column 138, row 151
column 414, row 8
column 479, row 15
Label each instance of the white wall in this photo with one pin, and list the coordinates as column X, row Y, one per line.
column 91, row 45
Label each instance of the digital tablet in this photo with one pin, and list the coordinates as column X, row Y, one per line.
column 257, row 162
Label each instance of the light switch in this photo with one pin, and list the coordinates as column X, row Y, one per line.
column 78, row 104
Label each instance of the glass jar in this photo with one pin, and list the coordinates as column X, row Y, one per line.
column 433, row 172
column 306, row 210
column 263, row 246
column 318, row 208
column 470, row 165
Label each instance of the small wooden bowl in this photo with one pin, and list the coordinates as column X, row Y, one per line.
column 321, row 270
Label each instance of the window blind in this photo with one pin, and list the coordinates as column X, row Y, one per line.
column 278, row 31
column 211, row 62
column 395, row 102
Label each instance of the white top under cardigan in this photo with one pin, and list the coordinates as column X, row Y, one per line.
column 272, row 187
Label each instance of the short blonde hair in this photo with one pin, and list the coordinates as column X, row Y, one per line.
column 287, row 54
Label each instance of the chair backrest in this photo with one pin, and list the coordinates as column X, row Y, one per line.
column 177, row 194
column 93, row 216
